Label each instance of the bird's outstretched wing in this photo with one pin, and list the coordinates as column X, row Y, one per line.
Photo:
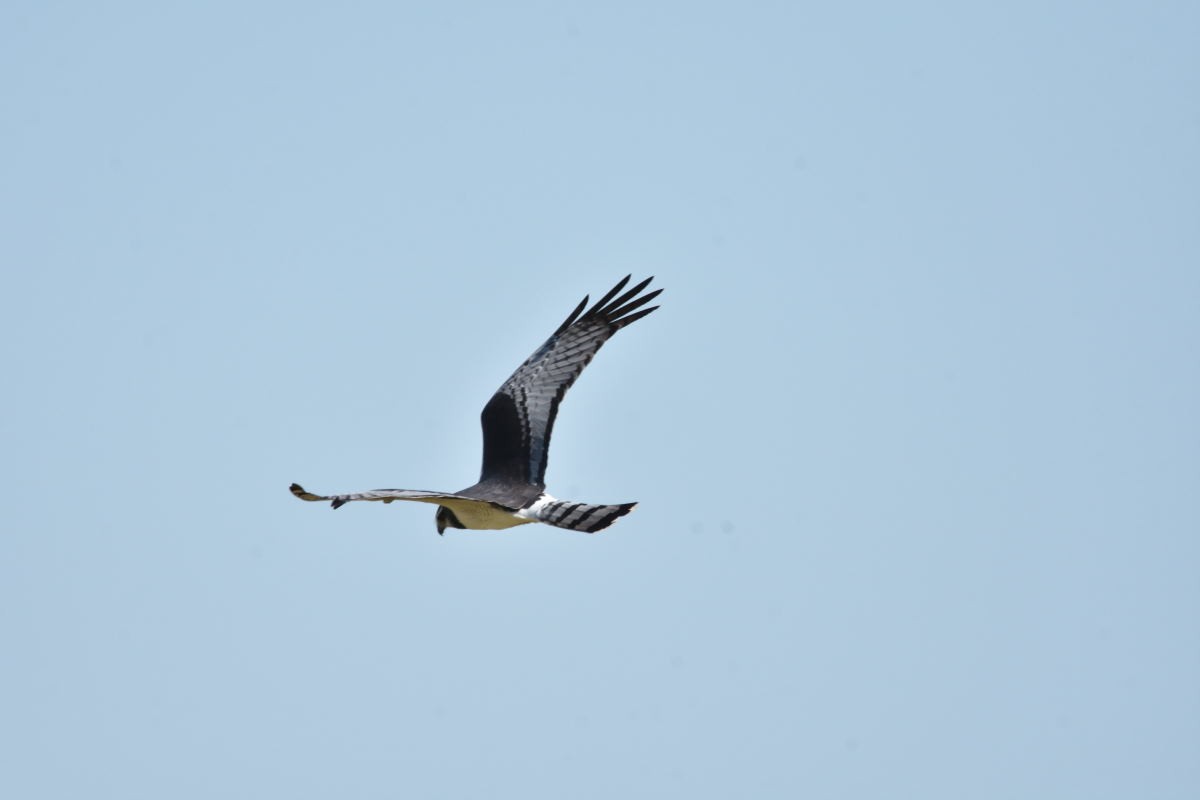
column 519, row 418
column 455, row 510
column 384, row 495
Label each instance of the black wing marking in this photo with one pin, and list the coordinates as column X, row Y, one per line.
column 519, row 418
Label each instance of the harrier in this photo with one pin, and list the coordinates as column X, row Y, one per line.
column 517, row 423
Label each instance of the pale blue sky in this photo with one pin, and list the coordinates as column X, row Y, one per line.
column 914, row 433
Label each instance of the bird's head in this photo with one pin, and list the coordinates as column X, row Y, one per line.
column 446, row 519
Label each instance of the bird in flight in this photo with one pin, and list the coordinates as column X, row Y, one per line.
column 517, row 423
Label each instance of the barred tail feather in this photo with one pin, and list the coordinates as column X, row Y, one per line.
column 581, row 516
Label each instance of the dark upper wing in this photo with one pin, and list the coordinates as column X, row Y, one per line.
column 517, row 421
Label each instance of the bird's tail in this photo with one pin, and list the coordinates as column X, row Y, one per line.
column 581, row 516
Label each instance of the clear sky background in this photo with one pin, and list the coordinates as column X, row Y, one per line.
column 914, row 433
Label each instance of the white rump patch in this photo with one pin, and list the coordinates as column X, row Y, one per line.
column 533, row 513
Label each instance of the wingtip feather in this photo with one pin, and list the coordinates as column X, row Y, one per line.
column 574, row 315
column 603, row 301
column 300, row 492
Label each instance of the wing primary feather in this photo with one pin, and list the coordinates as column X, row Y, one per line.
column 635, row 317
column 603, row 301
column 619, row 314
column 625, row 297
column 570, row 320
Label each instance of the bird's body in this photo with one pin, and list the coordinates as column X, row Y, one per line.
column 517, row 423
